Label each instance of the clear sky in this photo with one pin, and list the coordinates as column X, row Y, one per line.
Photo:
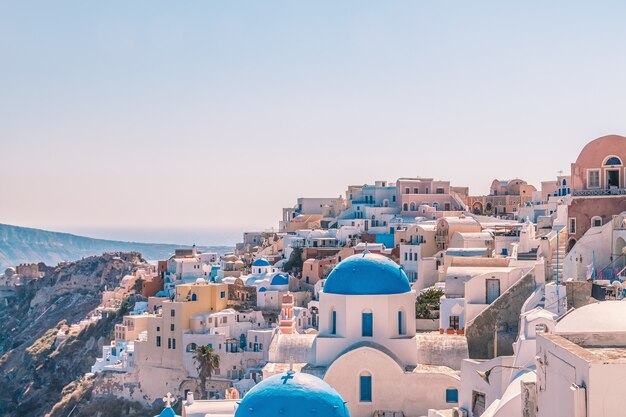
column 191, row 121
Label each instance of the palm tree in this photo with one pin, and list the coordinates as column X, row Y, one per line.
column 207, row 362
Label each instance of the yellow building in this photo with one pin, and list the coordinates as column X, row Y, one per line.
column 164, row 347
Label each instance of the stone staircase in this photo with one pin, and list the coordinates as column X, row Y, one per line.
column 560, row 251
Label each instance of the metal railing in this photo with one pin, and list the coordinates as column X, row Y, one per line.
column 599, row 192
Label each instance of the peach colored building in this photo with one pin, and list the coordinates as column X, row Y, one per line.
column 598, row 180
column 414, row 192
column 448, row 225
column 131, row 327
column 505, row 198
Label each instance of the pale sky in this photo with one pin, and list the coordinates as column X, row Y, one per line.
column 191, row 121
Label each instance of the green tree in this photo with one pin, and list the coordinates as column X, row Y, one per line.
column 207, row 361
column 295, row 261
column 427, row 303
column 138, row 285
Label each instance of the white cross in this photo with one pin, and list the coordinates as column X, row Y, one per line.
column 168, row 400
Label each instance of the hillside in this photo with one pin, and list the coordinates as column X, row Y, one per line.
column 33, row 369
column 25, row 245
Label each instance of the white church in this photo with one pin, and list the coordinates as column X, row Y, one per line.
column 367, row 349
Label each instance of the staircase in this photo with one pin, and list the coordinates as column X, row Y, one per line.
column 560, row 250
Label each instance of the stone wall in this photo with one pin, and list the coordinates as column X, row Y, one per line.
column 578, row 293
column 503, row 313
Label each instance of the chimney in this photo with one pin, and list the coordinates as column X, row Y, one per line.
column 190, row 397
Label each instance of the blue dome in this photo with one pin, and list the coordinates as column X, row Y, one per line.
column 167, row 412
column 367, row 274
column 292, row 395
column 261, row 262
column 280, row 279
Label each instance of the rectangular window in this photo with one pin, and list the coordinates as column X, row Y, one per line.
column 172, row 313
column 593, row 178
column 367, row 324
column 172, row 327
column 452, row 395
column 223, row 294
column 454, row 322
column 401, row 329
column 158, row 329
column 333, row 327
column 572, row 226
column 173, row 343
column 158, row 341
column 407, row 191
column 169, row 343
column 365, row 382
column 439, row 191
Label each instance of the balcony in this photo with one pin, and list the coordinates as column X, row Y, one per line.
column 600, row 192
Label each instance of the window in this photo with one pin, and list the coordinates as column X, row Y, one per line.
column 478, row 403
column 596, row 221
column 158, row 329
column 393, row 198
column 172, row 313
column 454, row 322
column 416, row 191
column 172, row 327
column 593, row 178
column 401, row 323
column 367, row 324
column 439, row 191
column 405, row 207
column 452, row 395
column 407, row 190
column 333, row 322
column 223, row 293
column 158, row 341
column 572, row 226
column 614, row 160
column 365, row 387
column 169, row 343
column 191, row 347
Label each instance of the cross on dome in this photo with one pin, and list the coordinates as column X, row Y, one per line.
column 168, row 400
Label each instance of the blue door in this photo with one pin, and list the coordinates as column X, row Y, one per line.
column 365, row 382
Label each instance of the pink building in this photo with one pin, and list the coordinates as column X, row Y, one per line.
column 598, row 181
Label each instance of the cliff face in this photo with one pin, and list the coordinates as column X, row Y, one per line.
column 33, row 371
column 25, row 245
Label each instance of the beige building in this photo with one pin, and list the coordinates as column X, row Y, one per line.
column 447, row 226
column 163, row 347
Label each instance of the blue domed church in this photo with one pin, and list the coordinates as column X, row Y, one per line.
column 292, row 395
column 366, row 347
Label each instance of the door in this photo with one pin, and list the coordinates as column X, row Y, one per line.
column 612, row 178
column 493, row 290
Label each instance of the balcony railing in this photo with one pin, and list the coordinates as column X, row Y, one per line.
column 599, row 192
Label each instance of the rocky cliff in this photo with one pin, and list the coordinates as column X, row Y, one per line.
column 34, row 373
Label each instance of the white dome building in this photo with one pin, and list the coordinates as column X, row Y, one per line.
column 367, row 347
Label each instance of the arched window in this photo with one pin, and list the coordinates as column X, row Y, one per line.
column 332, row 325
column 596, row 221
column 405, row 207
column 194, row 297
column 488, row 207
column 191, row 347
column 367, row 323
column 401, row 323
column 412, row 206
column 613, row 160
column 436, row 205
column 365, row 387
